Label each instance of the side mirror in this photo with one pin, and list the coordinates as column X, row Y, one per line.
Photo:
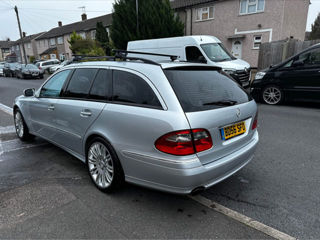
column 202, row 59
column 29, row 92
column 297, row 63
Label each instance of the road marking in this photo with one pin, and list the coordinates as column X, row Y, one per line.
column 8, row 129
column 242, row 218
column 6, row 109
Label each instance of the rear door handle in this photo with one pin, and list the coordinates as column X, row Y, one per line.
column 51, row 108
column 85, row 113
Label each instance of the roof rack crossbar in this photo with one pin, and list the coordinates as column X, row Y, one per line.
column 125, row 52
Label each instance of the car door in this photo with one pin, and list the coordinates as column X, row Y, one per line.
column 83, row 100
column 301, row 76
column 43, row 107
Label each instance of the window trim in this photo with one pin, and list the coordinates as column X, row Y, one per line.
column 208, row 11
column 247, row 7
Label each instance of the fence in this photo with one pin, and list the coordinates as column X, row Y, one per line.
column 276, row 52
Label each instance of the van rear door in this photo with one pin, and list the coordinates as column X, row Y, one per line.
column 215, row 102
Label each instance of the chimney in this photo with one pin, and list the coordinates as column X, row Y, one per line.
column 84, row 17
column 24, row 34
column 60, row 24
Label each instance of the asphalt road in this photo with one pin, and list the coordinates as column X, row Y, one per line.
column 280, row 188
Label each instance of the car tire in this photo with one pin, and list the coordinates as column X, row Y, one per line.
column 22, row 130
column 272, row 95
column 103, row 165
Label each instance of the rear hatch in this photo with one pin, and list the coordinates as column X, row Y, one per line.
column 213, row 101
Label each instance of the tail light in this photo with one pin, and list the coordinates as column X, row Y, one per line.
column 255, row 122
column 184, row 142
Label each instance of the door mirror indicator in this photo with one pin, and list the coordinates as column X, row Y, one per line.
column 297, row 63
column 29, row 92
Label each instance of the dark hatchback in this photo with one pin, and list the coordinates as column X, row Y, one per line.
column 296, row 79
column 9, row 69
column 28, row 71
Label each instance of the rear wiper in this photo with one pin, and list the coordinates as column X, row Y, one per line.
column 222, row 103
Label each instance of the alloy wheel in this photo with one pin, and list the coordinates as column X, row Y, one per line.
column 19, row 124
column 272, row 95
column 100, row 165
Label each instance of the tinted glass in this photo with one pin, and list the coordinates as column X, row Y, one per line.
column 80, row 83
column 129, row 88
column 311, row 58
column 202, row 89
column 31, row 66
column 193, row 54
column 102, row 86
column 53, row 87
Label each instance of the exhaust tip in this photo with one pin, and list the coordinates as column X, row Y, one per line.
column 197, row 190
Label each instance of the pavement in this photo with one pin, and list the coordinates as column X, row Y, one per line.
column 47, row 193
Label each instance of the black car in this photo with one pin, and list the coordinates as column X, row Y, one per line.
column 297, row 78
column 9, row 69
column 28, row 71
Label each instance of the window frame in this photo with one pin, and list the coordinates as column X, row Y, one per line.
column 200, row 12
column 248, row 4
column 93, row 34
column 256, row 41
column 52, row 41
column 60, row 42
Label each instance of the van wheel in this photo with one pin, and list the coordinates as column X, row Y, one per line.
column 21, row 127
column 104, row 166
column 272, row 95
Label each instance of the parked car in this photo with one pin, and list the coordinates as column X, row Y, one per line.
column 9, row 69
column 61, row 65
column 297, row 78
column 46, row 65
column 1, row 70
column 201, row 49
column 28, row 71
column 175, row 127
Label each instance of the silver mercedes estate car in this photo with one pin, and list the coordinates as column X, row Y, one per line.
column 176, row 127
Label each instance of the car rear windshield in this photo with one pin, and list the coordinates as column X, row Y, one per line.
column 203, row 89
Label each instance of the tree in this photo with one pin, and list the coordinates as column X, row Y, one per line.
column 80, row 46
column 315, row 33
column 156, row 20
column 102, row 38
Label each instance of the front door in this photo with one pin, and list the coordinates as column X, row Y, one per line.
column 237, row 48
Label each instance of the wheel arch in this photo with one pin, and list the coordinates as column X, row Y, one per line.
column 92, row 136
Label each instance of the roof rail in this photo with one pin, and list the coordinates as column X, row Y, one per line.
column 117, row 57
column 125, row 53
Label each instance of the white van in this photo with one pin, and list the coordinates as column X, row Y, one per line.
column 204, row 49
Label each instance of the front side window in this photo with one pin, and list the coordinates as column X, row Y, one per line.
column 257, row 42
column 251, row 6
column 216, row 52
column 205, row 13
column 193, row 54
column 102, row 86
column 131, row 89
column 53, row 87
column 80, row 83
column 311, row 58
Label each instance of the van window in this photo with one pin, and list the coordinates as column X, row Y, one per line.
column 80, row 83
column 201, row 89
column 102, row 86
column 216, row 52
column 130, row 88
column 193, row 54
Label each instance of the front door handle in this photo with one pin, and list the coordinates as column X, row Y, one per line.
column 51, row 108
column 85, row 113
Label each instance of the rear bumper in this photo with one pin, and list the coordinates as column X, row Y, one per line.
column 184, row 180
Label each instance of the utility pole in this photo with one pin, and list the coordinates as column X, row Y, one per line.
column 24, row 50
column 137, row 12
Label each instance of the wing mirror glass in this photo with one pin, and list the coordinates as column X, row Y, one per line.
column 29, row 92
column 297, row 63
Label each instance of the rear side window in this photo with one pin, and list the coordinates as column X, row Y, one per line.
column 80, row 83
column 203, row 89
column 102, row 86
column 130, row 88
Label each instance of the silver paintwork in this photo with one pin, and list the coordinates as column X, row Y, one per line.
column 132, row 131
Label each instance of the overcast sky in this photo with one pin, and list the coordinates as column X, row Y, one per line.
column 42, row 15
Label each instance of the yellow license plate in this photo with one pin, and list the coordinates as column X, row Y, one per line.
column 233, row 130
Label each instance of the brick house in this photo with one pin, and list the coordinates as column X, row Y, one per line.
column 54, row 43
column 242, row 25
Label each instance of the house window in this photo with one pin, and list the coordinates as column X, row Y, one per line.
column 60, row 40
column 205, row 13
column 83, row 35
column 52, row 41
column 93, row 34
column 28, row 45
column 17, row 47
column 257, row 42
column 251, row 6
